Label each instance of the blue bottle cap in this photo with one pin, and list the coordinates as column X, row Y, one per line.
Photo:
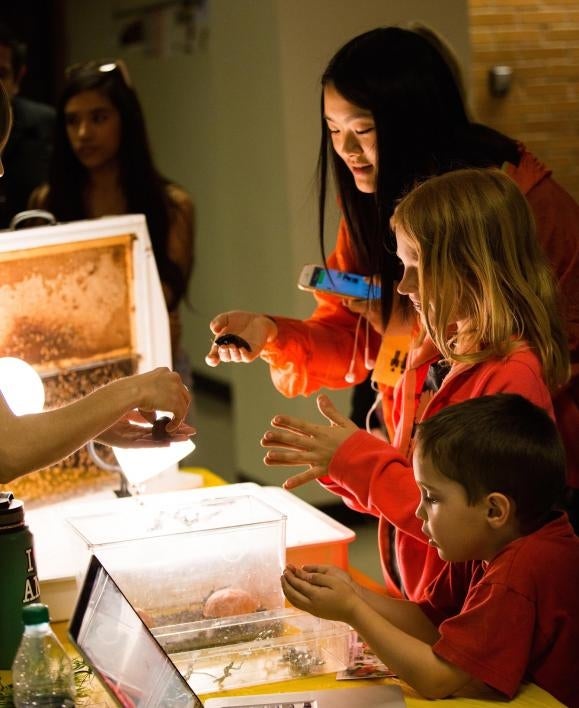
column 36, row 613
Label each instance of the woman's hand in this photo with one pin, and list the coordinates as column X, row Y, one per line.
column 298, row 442
column 326, row 595
column 256, row 329
column 370, row 309
column 402, row 318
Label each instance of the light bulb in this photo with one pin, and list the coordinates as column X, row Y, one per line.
column 21, row 386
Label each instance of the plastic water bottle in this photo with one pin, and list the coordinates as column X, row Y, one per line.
column 42, row 673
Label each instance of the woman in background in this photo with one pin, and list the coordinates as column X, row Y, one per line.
column 102, row 165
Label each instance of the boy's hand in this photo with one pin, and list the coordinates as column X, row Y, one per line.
column 330, row 570
column 301, row 443
column 321, row 594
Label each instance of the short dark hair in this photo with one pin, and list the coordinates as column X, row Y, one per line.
column 501, row 443
column 9, row 39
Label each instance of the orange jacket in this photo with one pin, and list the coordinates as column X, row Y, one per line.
column 314, row 353
column 557, row 218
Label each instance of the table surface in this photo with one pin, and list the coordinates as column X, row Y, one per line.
column 530, row 696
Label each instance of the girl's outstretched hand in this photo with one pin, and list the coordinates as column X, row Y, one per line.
column 297, row 442
column 324, row 595
column 239, row 337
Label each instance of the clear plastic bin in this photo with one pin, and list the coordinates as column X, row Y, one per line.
column 169, row 559
column 257, row 648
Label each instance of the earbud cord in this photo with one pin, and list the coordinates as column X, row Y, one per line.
column 373, row 407
column 368, row 362
column 350, row 377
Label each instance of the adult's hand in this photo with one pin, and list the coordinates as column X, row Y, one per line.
column 254, row 328
column 160, row 390
column 134, row 430
column 294, row 442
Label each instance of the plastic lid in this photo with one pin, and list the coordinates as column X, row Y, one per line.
column 36, row 613
column 5, row 499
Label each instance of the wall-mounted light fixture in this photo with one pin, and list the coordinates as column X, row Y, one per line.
column 500, row 80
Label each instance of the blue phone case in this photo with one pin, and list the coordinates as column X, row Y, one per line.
column 344, row 284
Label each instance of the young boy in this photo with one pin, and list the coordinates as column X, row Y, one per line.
column 505, row 608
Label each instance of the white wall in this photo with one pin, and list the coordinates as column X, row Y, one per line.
column 237, row 124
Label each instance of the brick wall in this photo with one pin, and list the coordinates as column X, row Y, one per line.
column 539, row 39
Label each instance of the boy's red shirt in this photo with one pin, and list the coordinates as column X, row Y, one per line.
column 515, row 618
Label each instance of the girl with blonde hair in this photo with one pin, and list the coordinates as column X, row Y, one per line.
column 487, row 302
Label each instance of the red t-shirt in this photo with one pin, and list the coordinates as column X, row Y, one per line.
column 515, row 618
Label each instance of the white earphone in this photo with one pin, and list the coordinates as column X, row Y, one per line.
column 369, row 363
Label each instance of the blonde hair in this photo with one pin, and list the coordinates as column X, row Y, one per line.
column 478, row 253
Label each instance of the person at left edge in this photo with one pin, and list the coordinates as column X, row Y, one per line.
column 27, row 154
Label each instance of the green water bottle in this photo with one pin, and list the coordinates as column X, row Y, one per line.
column 18, row 577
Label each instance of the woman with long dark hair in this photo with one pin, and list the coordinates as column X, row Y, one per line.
column 102, row 165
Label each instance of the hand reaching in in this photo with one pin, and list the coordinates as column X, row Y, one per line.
column 255, row 329
column 159, row 390
column 134, row 430
column 297, row 442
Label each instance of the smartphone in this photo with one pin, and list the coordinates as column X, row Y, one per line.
column 337, row 282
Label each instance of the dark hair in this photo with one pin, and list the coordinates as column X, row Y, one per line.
column 422, row 129
column 145, row 189
column 5, row 116
column 501, row 443
column 17, row 48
